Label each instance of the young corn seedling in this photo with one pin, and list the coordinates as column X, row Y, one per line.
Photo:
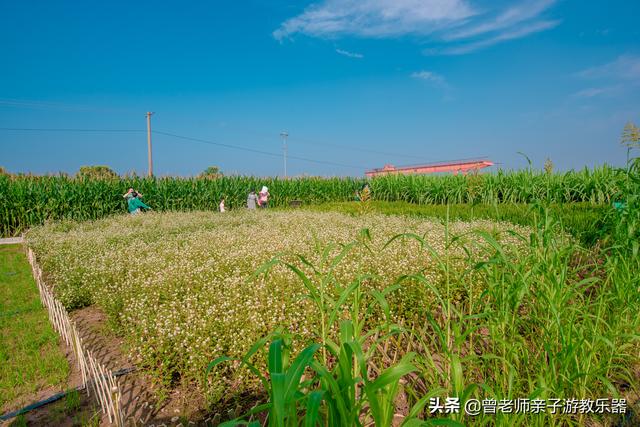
column 338, row 389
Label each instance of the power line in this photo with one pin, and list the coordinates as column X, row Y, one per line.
column 356, row 149
column 220, row 144
column 70, row 130
column 71, row 107
column 296, row 139
column 186, row 138
column 253, row 150
column 316, row 143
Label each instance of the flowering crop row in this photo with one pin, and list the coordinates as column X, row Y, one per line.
column 180, row 286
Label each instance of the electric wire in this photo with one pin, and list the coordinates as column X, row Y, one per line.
column 232, row 146
column 71, row 130
column 253, row 150
column 186, row 138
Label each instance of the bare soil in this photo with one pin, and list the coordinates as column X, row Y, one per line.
column 140, row 396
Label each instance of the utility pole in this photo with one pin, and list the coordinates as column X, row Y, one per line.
column 149, row 114
column 284, row 135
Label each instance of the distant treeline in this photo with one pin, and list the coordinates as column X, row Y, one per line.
column 28, row 200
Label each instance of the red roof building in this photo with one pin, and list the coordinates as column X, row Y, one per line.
column 455, row 166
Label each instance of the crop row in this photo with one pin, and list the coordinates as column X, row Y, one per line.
column 31, row 200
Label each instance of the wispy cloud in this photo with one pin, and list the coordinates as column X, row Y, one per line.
column 374, row 18
column 611, row 79
column 431, row 77
column 508, row 18
column 624, row 67
column 589, row 92
column 350, row 54
column 520, row 32
column 437, row 21
column 592, row 92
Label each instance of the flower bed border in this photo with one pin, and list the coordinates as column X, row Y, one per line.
column 95, row 375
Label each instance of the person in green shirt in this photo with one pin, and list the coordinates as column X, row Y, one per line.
column 134, row 204
column 129, row 194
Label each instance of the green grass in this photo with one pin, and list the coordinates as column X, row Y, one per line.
column 585, row 221
column 30, row 357
column 70, row 409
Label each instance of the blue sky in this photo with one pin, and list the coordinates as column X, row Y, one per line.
column 357, row 84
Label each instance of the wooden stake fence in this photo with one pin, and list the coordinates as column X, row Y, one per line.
column 95, row 376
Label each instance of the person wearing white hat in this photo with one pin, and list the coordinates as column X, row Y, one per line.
column 263, row 197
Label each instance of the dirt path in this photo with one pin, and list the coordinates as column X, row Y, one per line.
column 57, row 413
column 139, row 397
column 11, row 240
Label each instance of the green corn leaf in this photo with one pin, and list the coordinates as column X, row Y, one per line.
column 312, row 416
column 278, row 411
column 393, row 373
column 297, row 368
column 417, row 408
column 275, row 357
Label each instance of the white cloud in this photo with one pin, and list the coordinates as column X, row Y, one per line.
column 350, row 54
column 375, row 18
column 438, row 21
column 613, row 78
column 510, row 17
column 589, row 92
column 520, row 32
column 625, row 67
column 431, row 77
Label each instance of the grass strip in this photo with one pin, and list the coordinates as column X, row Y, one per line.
column 30, row 357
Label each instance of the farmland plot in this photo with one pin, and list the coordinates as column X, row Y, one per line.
column 501, row 306
column 180, row 285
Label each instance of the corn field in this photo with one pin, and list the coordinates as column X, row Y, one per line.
column 31, row 200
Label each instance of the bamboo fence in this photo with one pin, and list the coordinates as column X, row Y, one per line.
column 96, row 378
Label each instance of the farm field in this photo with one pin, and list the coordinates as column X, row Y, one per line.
column 321, row 213
column 26, row 200
column 478, row 309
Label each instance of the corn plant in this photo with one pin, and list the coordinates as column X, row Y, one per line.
column 338, row 388
column 283, row 386
column 524, row 337
column 27, row 200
